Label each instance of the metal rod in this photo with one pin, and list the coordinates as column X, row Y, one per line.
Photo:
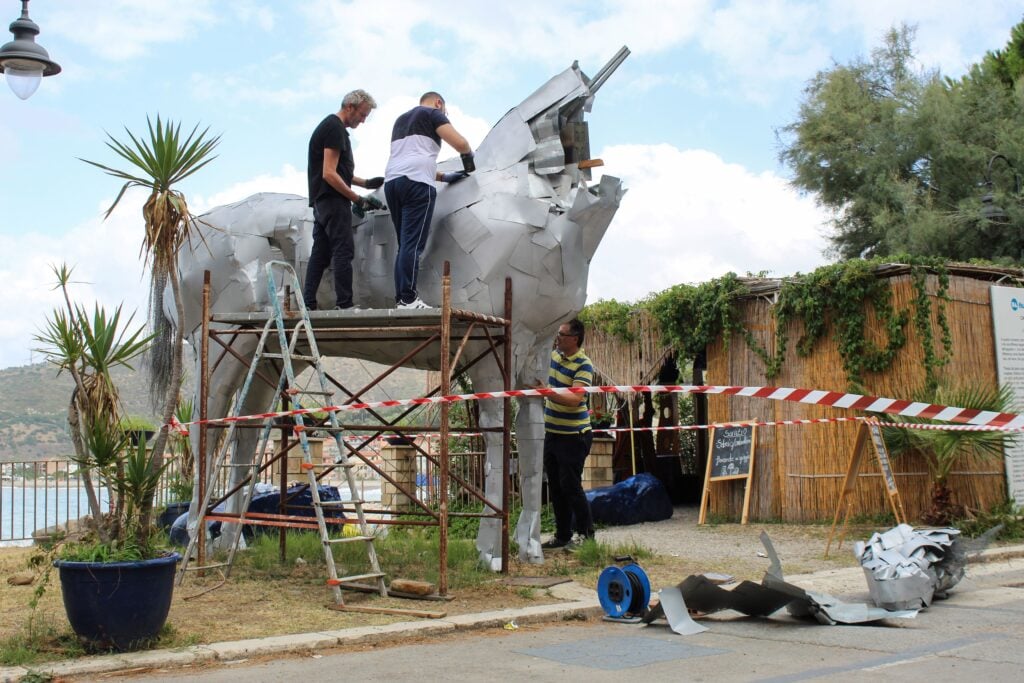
column 204, row 387
column 446, row 325
column 506, row 435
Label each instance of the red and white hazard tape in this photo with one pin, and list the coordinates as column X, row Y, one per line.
column 953, row 428
column 727, row 425
column 834, row 399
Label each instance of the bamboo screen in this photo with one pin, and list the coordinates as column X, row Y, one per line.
column 621, row 362
column 799, row 470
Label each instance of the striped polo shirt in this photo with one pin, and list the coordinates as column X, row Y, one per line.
column 566, row 371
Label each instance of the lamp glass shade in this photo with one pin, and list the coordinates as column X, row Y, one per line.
column 23, row 81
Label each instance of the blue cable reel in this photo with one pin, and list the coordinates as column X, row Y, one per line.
column 624, row 591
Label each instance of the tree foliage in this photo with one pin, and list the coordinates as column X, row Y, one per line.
column 901, row 155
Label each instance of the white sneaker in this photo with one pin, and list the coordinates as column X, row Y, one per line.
column 350, row 309
column 416, row 303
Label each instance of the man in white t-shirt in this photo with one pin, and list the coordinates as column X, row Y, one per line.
column 409, row 185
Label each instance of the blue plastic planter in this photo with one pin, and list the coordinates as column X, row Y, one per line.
column 118, row 605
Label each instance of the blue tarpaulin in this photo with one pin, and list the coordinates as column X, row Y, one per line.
column 269, row 501
column 641, row 498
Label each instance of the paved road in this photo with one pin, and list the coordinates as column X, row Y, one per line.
column 976, row 634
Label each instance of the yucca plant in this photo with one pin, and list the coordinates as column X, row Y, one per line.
column 88, row 347
column 943, row 449
column 158, row 162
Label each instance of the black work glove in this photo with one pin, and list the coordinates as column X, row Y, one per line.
column 468, row 165
column 453, row 176
column 374, row 183
column 364, row 204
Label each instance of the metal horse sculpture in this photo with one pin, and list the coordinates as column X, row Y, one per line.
column 527, row 213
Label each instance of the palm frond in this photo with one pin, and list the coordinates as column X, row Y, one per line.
column 162, row 158
column 943, row 449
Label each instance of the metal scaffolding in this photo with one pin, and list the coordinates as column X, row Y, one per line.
column 446, row 338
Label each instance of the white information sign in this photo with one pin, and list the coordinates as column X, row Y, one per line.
column 1008, row 331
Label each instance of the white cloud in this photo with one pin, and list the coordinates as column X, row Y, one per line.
column 289, row 181
column 689, row 217
column 107, row 270
column 942, row 26
column 124, row 29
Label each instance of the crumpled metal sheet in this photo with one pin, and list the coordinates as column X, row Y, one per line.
column 774, row 593
column 672, row 607
column 906, row 568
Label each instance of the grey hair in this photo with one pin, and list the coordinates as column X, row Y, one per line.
column 357, row 98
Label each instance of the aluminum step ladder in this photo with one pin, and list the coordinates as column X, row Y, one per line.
column 289, row 340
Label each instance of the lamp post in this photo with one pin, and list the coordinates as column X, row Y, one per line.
column 991, row 211
column 22, row 61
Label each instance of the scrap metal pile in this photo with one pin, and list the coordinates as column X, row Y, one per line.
column 700, row 593
column 906, row 568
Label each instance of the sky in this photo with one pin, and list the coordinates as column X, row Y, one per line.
column 688, row 122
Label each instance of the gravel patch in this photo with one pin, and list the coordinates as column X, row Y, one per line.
column 736, row 548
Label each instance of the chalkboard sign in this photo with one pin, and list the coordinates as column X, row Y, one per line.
column 730, row 456
column 730, row 451
column 883, row 455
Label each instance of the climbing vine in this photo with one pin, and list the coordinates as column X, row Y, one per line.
column 610, row 316
column 841, row 297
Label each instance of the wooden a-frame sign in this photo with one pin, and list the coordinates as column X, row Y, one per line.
column 873, row 430
column 730, row 456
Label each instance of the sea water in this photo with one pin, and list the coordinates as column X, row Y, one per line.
column 24, row 509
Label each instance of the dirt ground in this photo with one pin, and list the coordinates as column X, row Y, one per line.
column 252, row 606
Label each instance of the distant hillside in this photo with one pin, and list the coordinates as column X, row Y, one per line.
column 33, row 413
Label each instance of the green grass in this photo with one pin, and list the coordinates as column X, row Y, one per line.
column 39, row 644
column 406, row 552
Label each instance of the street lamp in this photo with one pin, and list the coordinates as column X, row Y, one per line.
column 23, row 61
column 991, row 211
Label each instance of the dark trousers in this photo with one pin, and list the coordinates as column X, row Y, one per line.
column 564, row 455
column 334, row 246
column 412, row 206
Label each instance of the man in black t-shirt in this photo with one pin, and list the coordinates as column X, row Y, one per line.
column 331, row 175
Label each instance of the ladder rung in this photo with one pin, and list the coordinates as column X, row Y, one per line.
column 197, row 568
column 293, row 356
column 346, row 579
column 303, row 392
column 341, row 503
column 350, row 539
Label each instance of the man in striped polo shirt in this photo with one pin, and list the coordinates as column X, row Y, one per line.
column 567, row 437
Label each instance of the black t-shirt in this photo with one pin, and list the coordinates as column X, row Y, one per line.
column 330, row 134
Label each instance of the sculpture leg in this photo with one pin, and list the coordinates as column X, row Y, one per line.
column 488, row 539
column 222, row 386
column 530, row 442
column 243, row 453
